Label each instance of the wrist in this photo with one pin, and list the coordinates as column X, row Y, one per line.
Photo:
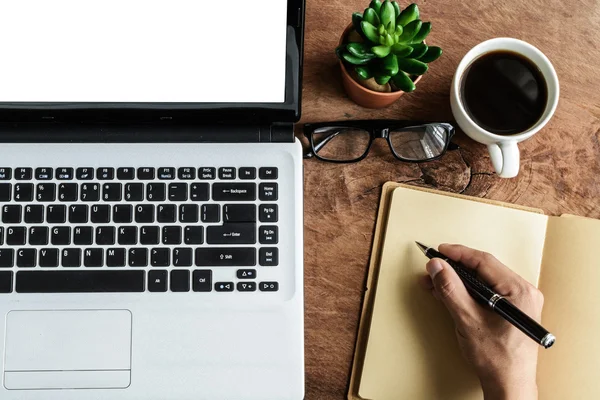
column 506, row 391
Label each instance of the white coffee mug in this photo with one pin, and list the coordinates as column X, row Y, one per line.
column 503, row 148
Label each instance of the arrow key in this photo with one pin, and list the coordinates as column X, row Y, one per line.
column 246, row 274
column 224, row 286
column 246, row 286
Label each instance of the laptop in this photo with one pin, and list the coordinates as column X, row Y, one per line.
column 151, row 200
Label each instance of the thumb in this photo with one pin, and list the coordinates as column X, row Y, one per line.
column 449, row 288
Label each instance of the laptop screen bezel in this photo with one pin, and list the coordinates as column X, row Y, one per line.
column 288, row 111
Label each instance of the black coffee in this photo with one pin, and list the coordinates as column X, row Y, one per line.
column 504, row 92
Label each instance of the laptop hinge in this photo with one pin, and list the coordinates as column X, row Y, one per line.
column 281, row 132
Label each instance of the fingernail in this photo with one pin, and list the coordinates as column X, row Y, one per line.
column 434, row 267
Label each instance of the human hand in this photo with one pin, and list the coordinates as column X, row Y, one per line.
column 505, row 359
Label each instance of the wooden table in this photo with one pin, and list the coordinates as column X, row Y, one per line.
column 560, row 166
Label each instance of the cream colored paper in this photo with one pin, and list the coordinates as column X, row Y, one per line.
column 411, row 351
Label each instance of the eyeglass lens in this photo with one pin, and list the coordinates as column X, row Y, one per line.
column 419, row 142
column 340, row 143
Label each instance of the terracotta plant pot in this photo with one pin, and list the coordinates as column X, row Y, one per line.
column 361, row 95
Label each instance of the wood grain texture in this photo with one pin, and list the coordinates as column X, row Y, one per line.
column 560, row 166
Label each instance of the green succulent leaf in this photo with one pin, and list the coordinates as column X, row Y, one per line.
column 398, row 30
column 408, row 15
column 338, row 52
column 360, row 50
column 389, row 40
column 423, row 32
column 390, row 64
column 397, row 9
column 419, row 50
column 381, row 51
column 381, row 29
column 376, row 5
column 352, row 59
column 410, row 31
column 363, row 72
column 388, row 13
column 433, row 53
column 371, row 17
column 382, row 79
column 403, row 82
column 390, row 28
column 411, row 66
column 356, row 20
column 382, row 40
column 402, row 50
column 370, row 31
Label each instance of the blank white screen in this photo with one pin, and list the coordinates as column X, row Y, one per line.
column 199, row 51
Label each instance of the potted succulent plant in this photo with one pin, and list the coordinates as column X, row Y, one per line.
column 383, row 53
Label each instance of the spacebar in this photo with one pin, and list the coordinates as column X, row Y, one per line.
column 79, row 281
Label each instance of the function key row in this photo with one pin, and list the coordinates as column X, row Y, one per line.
column 142, row 173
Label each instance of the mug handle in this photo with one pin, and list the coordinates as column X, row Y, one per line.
column 505, row 158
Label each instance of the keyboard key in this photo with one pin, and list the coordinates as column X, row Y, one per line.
column 246, row 286
column 34, row 214
column 144, row 213
column 1, row 236
column 83, row 235
column 268, row 257
column 61, row 235
column 182, row 257
column 105, row 235
column 227, row 173
column 138, row 257
column 234, row 192
column 56, row 214
column 157, row 281
column 105, row 174
column 149, row 235
column 122, row 213
column 80, row 281
column 224, row 286
column 26, row 258
column 23, row 174
column 71, row 258
column 186, row 173
column 67, row 192
column 90, row 192
column 268, row 286
column 202, row 281
column 127, row 235
column 180, row 280
column 193, row 235
column 234, row 233
column 5, row 191
column 239, row 213
column 159, row 257
column 268, row 192
column 115, row 257
column 5, row 174
column 268, row 213
column 48, row 258
column 156, row 192
column 145, row 174
column 210, row 213
column 134, row 192
column 246, row 274
column 125, row 174
column 78, row 214
column 100, row 214
column 23, row 192
column 166, row 173
column 171, row 235
column 64, row 174
column 247, row 173
column 268, row 234
column 207, row 173
column 268, row 173
column 165, row 213
column 43, row 174
column 38, row 235
column 15, row 236
column 93, row 258
column 178, row 191
column 199, row 192
column 6, row 282
column 7, row 258
column 188, row 213
column 112, row 192
column 226, row 257
column 45, row 192
column 11, row 214
column 85, row 174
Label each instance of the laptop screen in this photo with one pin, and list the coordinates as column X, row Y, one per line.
column 143, row 51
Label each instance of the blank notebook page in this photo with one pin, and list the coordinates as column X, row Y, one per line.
column 412, row 352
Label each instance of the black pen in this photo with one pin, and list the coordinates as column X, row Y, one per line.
column 483, row 293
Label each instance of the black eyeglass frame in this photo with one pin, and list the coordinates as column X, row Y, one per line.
column 376, row 129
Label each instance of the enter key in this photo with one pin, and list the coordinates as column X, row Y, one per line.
column 231, row 233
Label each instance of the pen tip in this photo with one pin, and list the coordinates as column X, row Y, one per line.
column 421, row 246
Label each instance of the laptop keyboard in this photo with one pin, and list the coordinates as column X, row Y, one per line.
column 85, row 230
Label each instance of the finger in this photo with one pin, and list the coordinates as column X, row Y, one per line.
column 450, row 289
column 425, row 282
column 488, row 268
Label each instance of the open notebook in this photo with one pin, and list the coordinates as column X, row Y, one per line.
column 406, row 348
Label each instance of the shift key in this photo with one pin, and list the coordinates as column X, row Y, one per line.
column 231, row 233
column 234, row 191
column 226, row 257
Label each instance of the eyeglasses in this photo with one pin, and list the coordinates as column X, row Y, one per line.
column 350, row 141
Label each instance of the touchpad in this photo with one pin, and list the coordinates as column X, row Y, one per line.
column 88, row 349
